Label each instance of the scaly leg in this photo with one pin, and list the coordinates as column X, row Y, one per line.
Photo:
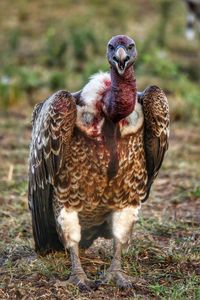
column 115, row 272
column 71, row 234
column 78, row 276
column 122, row 223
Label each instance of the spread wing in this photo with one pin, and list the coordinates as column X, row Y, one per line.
column 156, row 116
column 53, row 124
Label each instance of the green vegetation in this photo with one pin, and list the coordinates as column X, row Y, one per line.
column 52, row 45
column 60, row 48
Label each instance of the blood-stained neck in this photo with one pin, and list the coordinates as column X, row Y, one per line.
column 120, row 100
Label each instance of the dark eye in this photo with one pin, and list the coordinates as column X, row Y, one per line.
column 131, row 46
column 111, row 47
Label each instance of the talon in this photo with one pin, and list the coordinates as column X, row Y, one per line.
column 83, row 288
column 121, row 280
column 82, row 282
column 92, row 284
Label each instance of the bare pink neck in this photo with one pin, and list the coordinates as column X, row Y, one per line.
column 121, row 100
column 127, row 78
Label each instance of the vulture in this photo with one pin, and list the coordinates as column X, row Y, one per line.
column 94, row 155
column 193, row 16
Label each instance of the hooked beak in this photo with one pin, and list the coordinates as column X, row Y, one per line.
column 121, row 59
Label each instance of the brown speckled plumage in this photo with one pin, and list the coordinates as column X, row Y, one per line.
column 98, row 175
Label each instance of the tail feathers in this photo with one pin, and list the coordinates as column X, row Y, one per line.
column 43, row 221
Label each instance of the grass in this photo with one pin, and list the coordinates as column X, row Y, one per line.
column 45, row 47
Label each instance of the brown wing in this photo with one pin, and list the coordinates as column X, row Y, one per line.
column 156, row 133
column 53, row 124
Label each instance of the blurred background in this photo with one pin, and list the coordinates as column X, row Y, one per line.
column 49, row 45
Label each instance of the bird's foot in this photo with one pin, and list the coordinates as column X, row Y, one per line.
column 80, row 280
column 122, row 280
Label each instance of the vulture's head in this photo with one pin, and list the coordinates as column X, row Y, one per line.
column 121, row 52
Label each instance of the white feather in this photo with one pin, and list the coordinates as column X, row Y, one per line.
column 91, row 94
column 134, row 121
column 69, row 222
column 93, row 90
column 122, row 222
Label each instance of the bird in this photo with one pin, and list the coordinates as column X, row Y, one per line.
column 94, row 155
column 193, row 16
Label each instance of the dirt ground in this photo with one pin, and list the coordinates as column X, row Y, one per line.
column 164, row 257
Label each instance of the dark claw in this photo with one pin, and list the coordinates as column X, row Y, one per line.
column 121, row 280
column 99, row 282
column 93, row 285
column 83, row 288
column 82, row 282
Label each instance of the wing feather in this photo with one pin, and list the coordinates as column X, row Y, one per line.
column 156, row 133
column 53, row 123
